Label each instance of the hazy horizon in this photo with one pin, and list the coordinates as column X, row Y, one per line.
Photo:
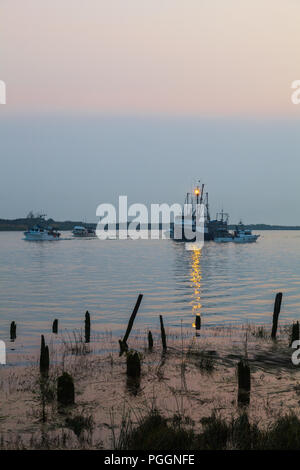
column 67, row 165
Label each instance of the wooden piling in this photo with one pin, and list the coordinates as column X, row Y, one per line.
column 277, row 306
column 65, row 389
column 198, row 322
column 163, row 333
column 13, row 331
column 55, row 326
column 133, row 363
column 244, row 383
column 150, row 341
column 123, row 342
column 87, row 327
column 295, row 335
column 44, row 358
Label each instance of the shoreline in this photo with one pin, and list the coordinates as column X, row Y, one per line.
column 20, row 225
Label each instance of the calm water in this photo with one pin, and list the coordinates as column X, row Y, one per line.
column 226, row 283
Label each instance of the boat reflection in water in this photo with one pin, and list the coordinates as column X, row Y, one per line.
column 196, row 277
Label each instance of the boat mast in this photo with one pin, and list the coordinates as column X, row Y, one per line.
column 202, row 192
column 207, row 208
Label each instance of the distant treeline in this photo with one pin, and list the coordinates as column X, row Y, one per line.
column 25, row 223
column 267, row 227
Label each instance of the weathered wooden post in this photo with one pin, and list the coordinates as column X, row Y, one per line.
column 13, row 331
column 65, row 389
column 44, row 358
column 277, row 306
column 87, row 327
column 244, row 383
column 150, row 341
column 163, row 333
column 123, row 342
column 133, row 362
column 198, row 322
column 55, row 326
column 295, row 336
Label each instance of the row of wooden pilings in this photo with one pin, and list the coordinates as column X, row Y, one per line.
column 133, row 358
column 243, row 368
column 65, row 385
column 87, row 328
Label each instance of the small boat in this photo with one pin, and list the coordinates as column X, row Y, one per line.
column 82, row 232
column 242, row 235
column 39, row 233
column 79, row 231
column 222, row 235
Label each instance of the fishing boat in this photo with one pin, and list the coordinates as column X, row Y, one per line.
column 222, row 234
column 79, row 231
column 188, row 227
column 82, row 232
column 195, row 201
column 242, row 235
column 39, row 233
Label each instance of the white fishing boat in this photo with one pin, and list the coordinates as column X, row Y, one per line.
column 79, row 231
column 242, row 235
column 82, row 232
column 38, row 233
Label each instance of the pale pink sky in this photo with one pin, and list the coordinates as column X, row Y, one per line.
column 204, row 57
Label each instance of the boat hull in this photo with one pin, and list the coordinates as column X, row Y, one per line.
column 249, row 239
column 86, row 235
column 40, row 237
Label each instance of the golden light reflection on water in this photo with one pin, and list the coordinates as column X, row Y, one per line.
column 196, row 277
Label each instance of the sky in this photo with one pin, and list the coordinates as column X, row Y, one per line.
column 140, row 97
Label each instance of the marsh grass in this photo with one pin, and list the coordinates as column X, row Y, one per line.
column 153, row 432
column 202, row 359
column 206, row 363
column 74, row 343
column 156, row 432
column 80, row 423
column 260, row 332
column 45, row 393
column 154, row 426
column 52, row 440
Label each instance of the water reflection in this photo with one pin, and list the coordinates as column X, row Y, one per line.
column 196, row 277
column 234, row 284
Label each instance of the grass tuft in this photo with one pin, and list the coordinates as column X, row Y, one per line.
column 80, row 423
